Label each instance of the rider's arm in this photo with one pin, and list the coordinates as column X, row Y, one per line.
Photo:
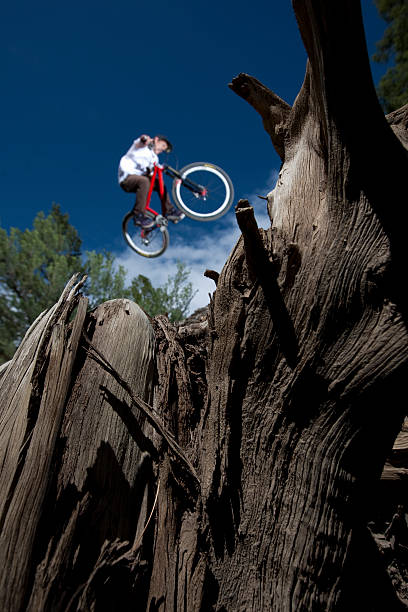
column 143, row 141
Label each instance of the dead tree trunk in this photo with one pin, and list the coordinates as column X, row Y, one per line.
column 245, row 486
column 75, row 477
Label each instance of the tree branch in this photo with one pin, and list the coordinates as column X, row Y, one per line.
column 213, row 275
column 273, row 110
column 261, row 269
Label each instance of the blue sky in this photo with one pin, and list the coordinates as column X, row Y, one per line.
column 82, row 79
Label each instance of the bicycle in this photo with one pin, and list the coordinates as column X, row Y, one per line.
column 206, row 198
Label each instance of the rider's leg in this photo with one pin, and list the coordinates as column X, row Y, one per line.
column 168, row 210
column 166, row 205
column 138, row 184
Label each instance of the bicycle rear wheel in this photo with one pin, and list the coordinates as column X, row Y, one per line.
column 149, row 243
column 214, row 197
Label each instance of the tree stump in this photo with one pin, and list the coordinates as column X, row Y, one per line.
column 230, row 468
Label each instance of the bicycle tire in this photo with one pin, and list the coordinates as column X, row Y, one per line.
column 220, row 192
column 148, row 243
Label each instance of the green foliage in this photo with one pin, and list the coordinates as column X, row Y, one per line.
column 36, row 264
column 34, row 267
column 393, row 86
column 179, row 293
column 173, row 298
column 105, row 281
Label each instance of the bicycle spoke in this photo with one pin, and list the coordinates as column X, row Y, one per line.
column 217, row 192
column 150, row 242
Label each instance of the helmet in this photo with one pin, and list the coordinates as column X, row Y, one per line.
column 169, row 145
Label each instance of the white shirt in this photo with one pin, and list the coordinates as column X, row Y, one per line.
column 138, row 160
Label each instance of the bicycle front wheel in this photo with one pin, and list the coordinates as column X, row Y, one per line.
column 204, row 192
column 148, row 243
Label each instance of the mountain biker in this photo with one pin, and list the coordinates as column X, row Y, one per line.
column 135, row 168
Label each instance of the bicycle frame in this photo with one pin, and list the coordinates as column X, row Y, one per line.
column 158, row 171
column 212, row 202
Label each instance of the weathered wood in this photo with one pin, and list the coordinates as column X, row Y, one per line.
column 290, row 442
column 31, row 412
column 398, row 120
column 72, row 471
column 396, row 466
column 178, row 582
column 293, row 445
column 273, row 110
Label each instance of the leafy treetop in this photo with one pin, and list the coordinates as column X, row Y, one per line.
column 35, row 265
column 393, row 86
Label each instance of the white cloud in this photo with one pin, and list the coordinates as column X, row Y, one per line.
column 209, row 250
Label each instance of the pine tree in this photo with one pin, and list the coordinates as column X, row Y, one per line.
column 34, row 268
column 35, row 265
column 173, row 298
column 393, row 86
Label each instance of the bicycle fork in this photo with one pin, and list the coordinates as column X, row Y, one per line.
column 197, row 190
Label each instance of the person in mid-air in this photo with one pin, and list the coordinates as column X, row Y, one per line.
column 135, row 168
